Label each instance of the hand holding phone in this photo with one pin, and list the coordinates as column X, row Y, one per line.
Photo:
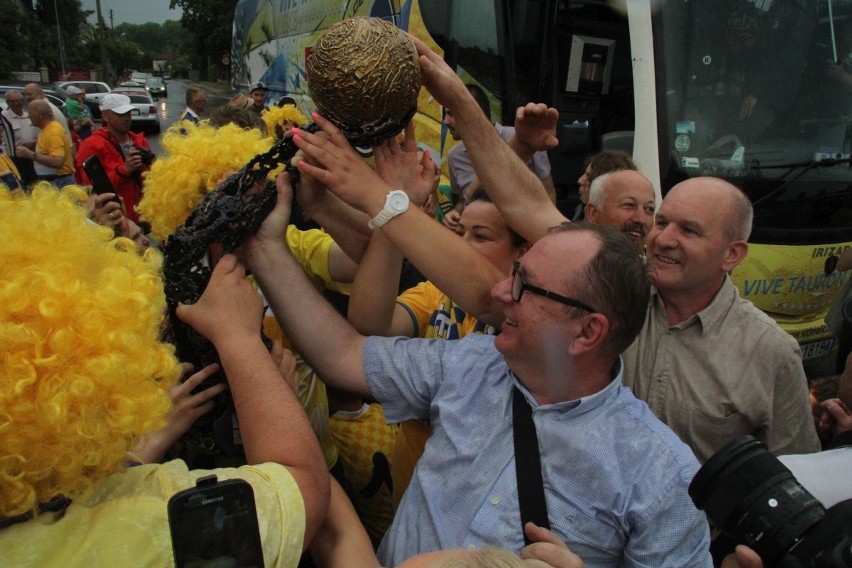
column 101, row 183
column 215, row 522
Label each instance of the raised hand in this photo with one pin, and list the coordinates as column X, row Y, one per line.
column 438, row 77
column 186, row 409
column 535, row 126
column 271, row 233
column 402, row 167
column 335, row 164
column 228, row 308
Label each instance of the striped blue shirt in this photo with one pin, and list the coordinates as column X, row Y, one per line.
column 615, row 477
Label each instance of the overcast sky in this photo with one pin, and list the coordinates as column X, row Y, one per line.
column 133, row 11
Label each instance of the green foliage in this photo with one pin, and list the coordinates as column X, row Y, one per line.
column 30, row 38
column 155, row 39
column 179, row 68
column 210, row 23
column 72, row 23
column 13, row 52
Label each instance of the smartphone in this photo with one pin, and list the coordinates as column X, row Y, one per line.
column 97, row 175
column 215, row 524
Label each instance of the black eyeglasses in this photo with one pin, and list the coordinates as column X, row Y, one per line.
column 519, row 285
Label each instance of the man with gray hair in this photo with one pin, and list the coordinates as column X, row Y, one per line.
column 25, row 134
column 52, row 157
column 625, row 200
column 708, row 362
column 34, row 92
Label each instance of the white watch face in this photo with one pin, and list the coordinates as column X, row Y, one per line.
column 398, row 201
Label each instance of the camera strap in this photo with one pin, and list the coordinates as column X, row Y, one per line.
column 531, row 501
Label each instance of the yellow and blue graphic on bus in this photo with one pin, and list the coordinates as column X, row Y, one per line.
column 795, row 285
column 273, row 40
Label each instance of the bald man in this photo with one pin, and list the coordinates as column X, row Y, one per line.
column 708, row 362
column 34, row 92
column 52, row 157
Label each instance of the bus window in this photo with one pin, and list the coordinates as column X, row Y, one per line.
column 752, row 93
column 758, row 92
column 468, row 33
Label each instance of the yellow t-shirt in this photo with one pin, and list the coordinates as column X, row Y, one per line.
column 9, row 175
column 53, row 141
column 311, row 250
column 124, row 521
column 436, row 316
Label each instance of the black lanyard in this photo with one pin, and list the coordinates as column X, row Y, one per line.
column 532, row 504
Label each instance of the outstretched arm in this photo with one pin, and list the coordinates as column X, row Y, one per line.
column 326, row 340
column 514, row 189
column 459, row 270
column 372, row 303
column 342, row 541
column 274, row 427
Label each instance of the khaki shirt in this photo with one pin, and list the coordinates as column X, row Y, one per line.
column 727, row 371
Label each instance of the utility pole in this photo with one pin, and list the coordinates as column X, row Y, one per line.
column 59, row 36
column 105, row 69
column 111, row 20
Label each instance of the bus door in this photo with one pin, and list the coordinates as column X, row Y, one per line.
column 575, row 56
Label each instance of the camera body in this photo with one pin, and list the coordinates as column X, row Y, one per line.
column 146, row 156
column 757, row 501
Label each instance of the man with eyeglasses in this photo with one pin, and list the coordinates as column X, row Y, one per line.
column 614, row 477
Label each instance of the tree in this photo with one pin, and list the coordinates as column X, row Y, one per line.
column 210, row 22
column 13, row 45
column 155, row 38
column 76, row 33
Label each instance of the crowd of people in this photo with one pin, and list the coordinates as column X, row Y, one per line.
column 540, row 393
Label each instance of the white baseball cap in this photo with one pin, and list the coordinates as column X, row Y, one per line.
column 257, row 86
column 72, row 90
column 119, row 104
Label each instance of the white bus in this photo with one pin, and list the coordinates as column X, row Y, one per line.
column 758, row 92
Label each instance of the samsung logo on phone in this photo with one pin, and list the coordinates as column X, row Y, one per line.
column 214, row 500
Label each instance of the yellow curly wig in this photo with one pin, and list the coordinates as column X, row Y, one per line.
column 196, row 158
column 83, row 372
column 279, row 116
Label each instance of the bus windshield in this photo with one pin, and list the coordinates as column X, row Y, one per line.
column 472, row 42
column 760, row 92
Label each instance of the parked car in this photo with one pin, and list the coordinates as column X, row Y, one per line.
column 157, row 87
column 95, row 91
column 51, row 92
column 145, row 115
column 131, row 87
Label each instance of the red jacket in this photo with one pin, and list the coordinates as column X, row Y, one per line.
column 104, row 144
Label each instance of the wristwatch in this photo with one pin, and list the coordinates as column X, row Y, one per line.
column 396, row 203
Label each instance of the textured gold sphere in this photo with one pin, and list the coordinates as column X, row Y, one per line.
column 364, row 76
